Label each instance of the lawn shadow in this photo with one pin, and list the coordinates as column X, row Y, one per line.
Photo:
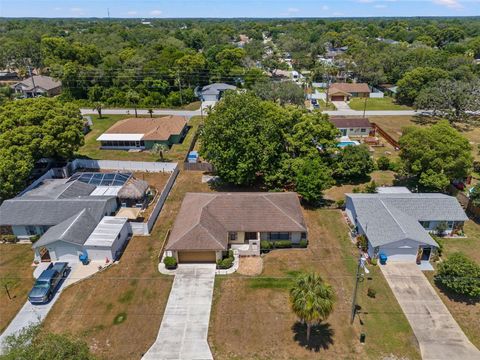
column 458, row 298
column 321, row 336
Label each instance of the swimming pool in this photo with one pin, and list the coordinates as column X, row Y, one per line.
column 342, row 144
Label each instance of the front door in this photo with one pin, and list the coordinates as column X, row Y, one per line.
column 344, row 132
column 426, row 254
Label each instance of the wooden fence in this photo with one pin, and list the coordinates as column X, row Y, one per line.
column 386, row 136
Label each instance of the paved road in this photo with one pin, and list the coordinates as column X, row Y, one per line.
column 437, row 332
column 184, row 329
column 31, row 314
column 189, row 113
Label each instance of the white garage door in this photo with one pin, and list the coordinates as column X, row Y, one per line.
column 408, row 254
column 99, row 253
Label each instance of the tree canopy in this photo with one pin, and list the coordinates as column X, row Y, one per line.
column 32, row 129
column 460, row 274
column 435, row 155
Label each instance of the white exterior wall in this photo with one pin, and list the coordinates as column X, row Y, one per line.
column 62, row 251
column 110, row 252
column 296, row 237
column 356, row 131
column 350, row 210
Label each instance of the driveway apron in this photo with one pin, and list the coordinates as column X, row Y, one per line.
column 437, row 332
column 184, row 329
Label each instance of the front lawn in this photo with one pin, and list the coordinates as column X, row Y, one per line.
column 386, row 103
column 118, row 311
column 251, row 317
column 16, row 272
column 92, row 150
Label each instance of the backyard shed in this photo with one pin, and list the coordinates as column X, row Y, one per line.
column 108, row 239
column 133, row 193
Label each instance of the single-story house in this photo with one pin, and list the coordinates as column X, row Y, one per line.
column 143, row 133
column 6, row 75
column 346, row 91
column 208, row 224
column 352, row 126
column 398, row 224
column 38, row 85
column 214, row 92
column 81, row 233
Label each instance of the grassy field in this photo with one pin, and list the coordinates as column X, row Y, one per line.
column 133, row 289
column 338, row 192
column 463, row 309
column 17, row 273
column 387, row 103
column 251, row 318
column 92, row 150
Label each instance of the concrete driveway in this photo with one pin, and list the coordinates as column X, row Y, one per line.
column 31, row 314
column 437, row 332
column 184, row 329
column 341, row 105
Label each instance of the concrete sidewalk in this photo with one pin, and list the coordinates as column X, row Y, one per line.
column 437, row 332
column 184, row 329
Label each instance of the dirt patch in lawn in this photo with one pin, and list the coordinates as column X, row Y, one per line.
column 16, row 272
column 250, row 266
column 251, row 317
column 118, row 311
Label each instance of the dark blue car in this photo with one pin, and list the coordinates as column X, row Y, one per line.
column 47, row 283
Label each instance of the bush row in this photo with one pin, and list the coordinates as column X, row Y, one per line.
column 226, row 262
column 266, row 245
column 9, row 238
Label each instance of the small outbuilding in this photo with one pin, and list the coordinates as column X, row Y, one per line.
column 133, row 193
column 108, row 239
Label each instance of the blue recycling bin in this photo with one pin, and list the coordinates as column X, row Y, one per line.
column 383, row 258
column 83, row 257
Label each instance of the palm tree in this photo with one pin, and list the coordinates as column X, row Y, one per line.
column 159, row 148
column 98, row 106
column 150, row 111
column 311, row 300
column 133, row 98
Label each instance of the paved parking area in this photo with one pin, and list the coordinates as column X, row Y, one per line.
column 184, row 329
column 437, row 332
column 31, row 314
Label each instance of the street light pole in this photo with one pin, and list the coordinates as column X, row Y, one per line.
column 359, row 276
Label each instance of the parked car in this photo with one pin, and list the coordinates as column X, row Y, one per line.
column 46, row 284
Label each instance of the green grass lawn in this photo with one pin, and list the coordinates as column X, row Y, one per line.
column 92, row 150
column 324, row 106
column 387, row 103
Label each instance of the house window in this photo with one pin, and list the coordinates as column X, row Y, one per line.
column 450, row 225
column 279, row 236
column 425, row 224
column 363, row 130
column 31, row 230
column 232, row 236
column 250, row 236
column 304, row 236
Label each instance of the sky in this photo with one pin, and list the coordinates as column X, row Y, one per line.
column 236, row 8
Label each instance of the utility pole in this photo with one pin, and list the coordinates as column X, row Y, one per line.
column 180, row 86
column 365, row 106
column 359, row 277
column 34, row 92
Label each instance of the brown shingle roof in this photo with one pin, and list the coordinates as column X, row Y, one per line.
column 205, row 219
column 152, row 128
column 348, row 87
column 343, row 123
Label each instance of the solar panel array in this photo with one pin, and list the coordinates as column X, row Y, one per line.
column 101, row 179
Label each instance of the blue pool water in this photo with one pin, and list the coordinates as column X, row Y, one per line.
column 346, row 143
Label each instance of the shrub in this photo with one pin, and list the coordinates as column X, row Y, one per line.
column 362, row 242
column 225, row 263
column 460, row 274
column 282, row 244
column 230, row 253
column 476, row 165
column 440, row 242
column 373, row 261
column 371, row 292
column 371, row 187
column 303, row 243
column 9, row 238
column 340, row 203
column 383, row 163
column 34, row 238
column 441, row 228
column 265, row 245
column 170, row 262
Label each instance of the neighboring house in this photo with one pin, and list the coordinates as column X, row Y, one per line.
column 143, row 133
column 72, row 216
column 6, row 75
column 214, row 92
column 398, row 224
column 352, row 126
column 38, row 85
column 208, row 224
column 346, row 91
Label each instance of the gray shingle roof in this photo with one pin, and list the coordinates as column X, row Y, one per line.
column 216, row 88
column 387, row 218
column 75, row 229
column 205, row 219
column 39, row 211
column 44, row 82
column 60, row 189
